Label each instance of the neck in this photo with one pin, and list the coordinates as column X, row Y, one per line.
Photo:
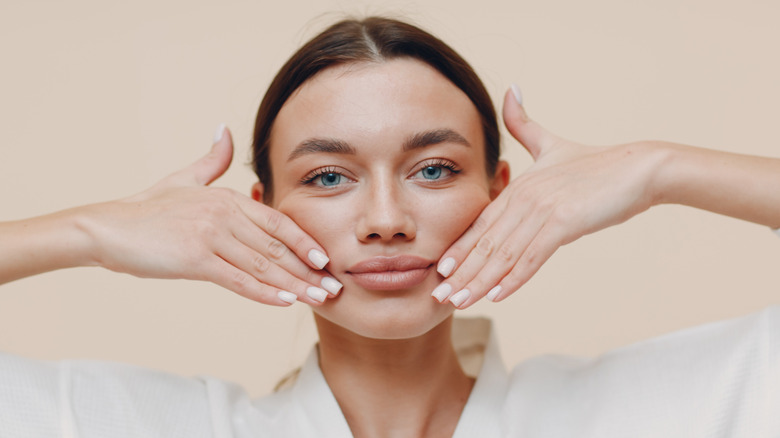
column 386, row 388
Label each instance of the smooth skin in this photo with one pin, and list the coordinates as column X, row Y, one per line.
column 573, row 190
column 257, row 251
column 241, row 245
column 344, row 171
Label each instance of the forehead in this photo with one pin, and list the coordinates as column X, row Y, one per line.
column 367, row 102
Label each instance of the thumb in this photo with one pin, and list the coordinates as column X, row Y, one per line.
column 210, row 166
column 530, row 134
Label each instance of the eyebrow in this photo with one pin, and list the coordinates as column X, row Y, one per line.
column 416, row 141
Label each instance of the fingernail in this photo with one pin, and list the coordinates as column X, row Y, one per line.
column 493, row 294
column 318, row 258
column 316, row 294
column 220, row 132
column 287, row 297
column 331, row 285
column 446, row 266
column 516, row 92
column 441, row 292
column 460, row 297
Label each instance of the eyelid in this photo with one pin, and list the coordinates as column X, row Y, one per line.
column 437, row 162
column 451, row 167
column 324, row 170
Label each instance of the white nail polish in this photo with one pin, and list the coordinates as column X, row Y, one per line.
column 446, row 266
column 331, row 285
column 460, row 297
column 316, row 294
column 516, row 92
column 318, row 258
column 220, row 132
column 287, row 297
column 441, row 292
column 493, row 294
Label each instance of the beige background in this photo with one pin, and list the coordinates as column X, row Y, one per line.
column 100, row 99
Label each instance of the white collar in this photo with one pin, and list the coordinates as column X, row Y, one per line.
column 478, row 354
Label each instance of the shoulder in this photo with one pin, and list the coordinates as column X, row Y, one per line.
column 724, row 374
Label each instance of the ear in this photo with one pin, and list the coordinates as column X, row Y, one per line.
column 500, row 179
column 257, row 191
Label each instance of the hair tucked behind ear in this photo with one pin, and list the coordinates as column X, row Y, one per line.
column 371, row 39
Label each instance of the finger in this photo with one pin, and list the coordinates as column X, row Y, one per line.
column 491, row 241
column 278, row 253
column 209, row 167
column 222, row 273
column 269, row 273
column 279, row 226
column 530, row 134
column 459, row 250
column 541, row 248
column 485, row 274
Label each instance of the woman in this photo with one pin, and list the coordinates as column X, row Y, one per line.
column 376, row 149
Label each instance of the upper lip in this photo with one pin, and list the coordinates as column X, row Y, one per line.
column 394, row 263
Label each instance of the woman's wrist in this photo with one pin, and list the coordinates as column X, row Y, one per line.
column 658, row 156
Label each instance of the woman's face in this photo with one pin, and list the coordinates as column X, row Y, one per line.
column 384, row 165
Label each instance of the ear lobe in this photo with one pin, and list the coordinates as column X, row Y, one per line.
column 500, row 179
column 257, row 191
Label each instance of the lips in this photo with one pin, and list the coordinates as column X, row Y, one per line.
column 390, row 273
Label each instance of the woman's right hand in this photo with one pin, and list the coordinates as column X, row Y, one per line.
column 181, row 228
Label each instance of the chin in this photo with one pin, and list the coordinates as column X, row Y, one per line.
column 384, row 315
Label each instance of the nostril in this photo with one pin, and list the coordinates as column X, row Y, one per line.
column 374, row 236
column 400, row 235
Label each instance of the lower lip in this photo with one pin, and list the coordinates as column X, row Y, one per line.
column 390, row 280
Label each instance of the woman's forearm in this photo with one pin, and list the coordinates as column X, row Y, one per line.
column 740, row 186
column 42, row 244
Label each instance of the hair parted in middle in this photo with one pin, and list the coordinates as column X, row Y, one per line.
column 372, row 39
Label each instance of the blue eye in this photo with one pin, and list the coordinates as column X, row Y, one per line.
column 431, row 172
column 329, row 179
column 437, row 170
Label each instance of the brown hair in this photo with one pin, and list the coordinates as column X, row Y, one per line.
column 370, row 39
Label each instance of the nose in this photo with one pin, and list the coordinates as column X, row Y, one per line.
column 385, row 215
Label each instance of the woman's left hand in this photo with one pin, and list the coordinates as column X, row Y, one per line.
column 571, row 190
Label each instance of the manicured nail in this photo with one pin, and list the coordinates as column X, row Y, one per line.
column 287, row 297
column 318, row 258
column 331, row 285
column 446, row 266
column 460, row 297
column 493, row 294
column 516, row 92
column 441, row 292
column 220, row 132
column 316, row 294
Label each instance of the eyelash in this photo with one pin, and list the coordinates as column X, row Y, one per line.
column 435, row 162
column 314, row 174
column 440, row 162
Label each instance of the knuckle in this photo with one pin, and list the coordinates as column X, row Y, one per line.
column 484, row 247
column 480, row 224
column 206, row 229
column 531, row 256
column 276, row 249
column 506, row 252
column 273, row 221
column 239, row 282
column 544, row 204
column 261, row 264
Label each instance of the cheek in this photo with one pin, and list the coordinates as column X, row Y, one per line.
column 447, row 217
column 322, row 218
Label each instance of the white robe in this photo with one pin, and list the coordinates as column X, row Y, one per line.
column 717, row 380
